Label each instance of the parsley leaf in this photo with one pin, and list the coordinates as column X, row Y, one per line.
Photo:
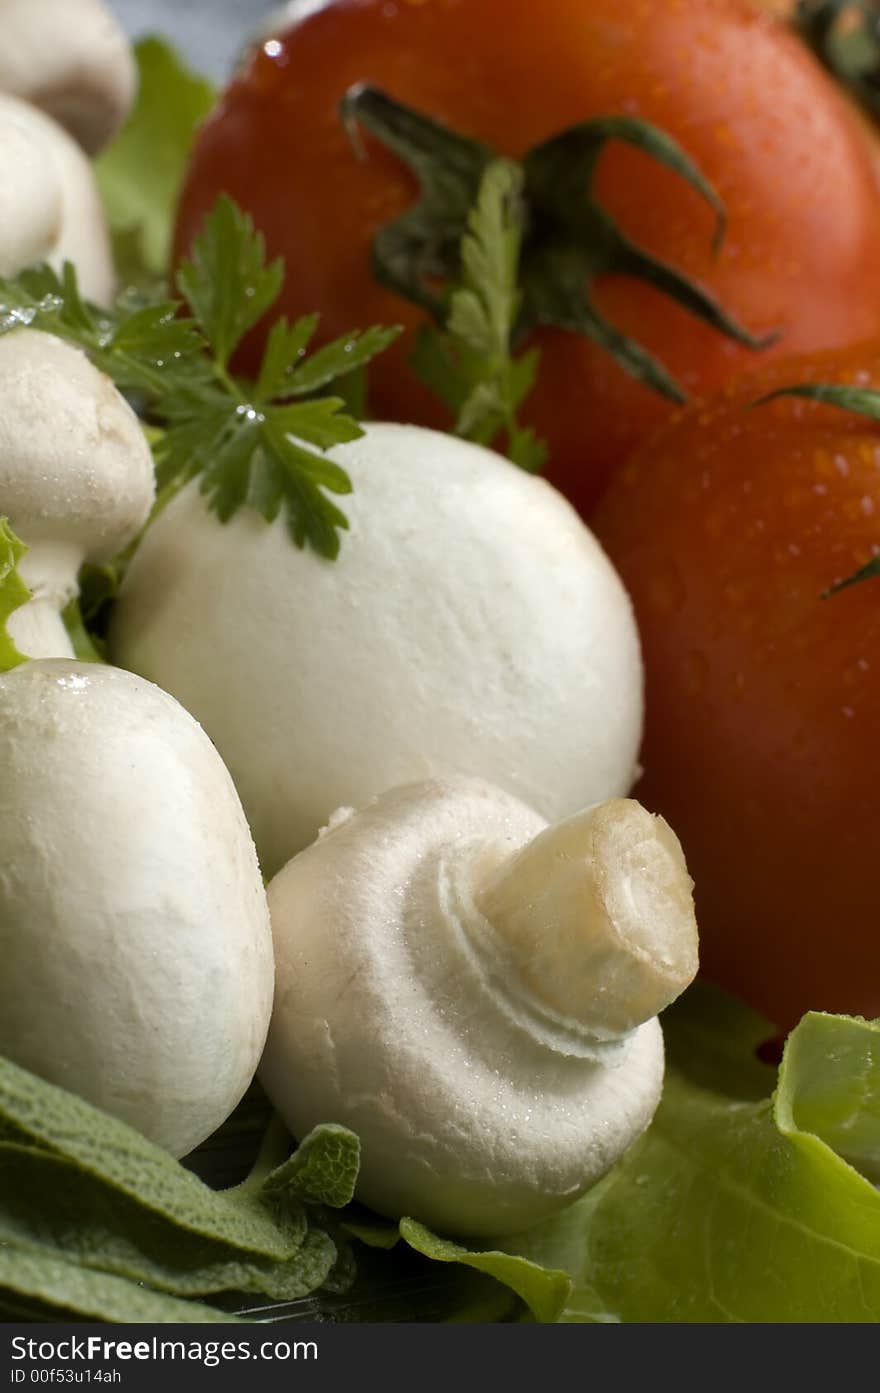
column 13, row 593
column 260, row 444
column 227, row 283
column 470, row 366
column 141, row 347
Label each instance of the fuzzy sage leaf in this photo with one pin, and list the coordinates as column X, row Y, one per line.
column 322, row 1170
column 36, row 1284
column 80, row 1186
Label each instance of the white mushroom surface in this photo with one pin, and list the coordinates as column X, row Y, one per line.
column 30, row 198
column 471, row 624
column 72, row 59
column 76, row 476
column 495, row 1054
column 48, row 191
column 134, row 933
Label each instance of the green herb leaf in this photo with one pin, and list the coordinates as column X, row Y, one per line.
column 39, row 1284
column 286, row 344
column 336, row 360
column 141, row 172
column 80, row 1185
column 226, row 280
column 570, row 239
column 13, row 593
column 53, row 1203
column 150, row 349
column 250, row 443
column 323, row 1169
column 471, row 367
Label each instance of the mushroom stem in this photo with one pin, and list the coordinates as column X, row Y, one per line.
column 598, row 916
column 49, row 570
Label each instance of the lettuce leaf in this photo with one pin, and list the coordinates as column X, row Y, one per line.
column 733, row 1207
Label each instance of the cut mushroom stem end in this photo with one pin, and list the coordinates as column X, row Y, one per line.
column 597, row 915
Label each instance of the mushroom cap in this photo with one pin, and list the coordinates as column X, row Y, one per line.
column 134, row 931
column 72, row 59
column 477, row 1112
column 74, row 464
column 81, row 230
column 471, row 624
column 30, row 197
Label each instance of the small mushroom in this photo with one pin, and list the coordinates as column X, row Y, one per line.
column 61, row 216
column 72, row 59
column 30, row 199
column 475, row 994
column 76, row 475
column 134, row 930
column 471, row 624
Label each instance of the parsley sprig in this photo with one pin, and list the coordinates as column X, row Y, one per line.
column 259, row 443
column 471, row 365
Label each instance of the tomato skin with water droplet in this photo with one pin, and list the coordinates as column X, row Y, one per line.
column 763, row 698
column 739, row 92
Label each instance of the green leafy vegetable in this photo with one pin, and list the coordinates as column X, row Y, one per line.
column 81, row 1187
column 148, row 349
column 544, row 1290
column 13, row 593
column 471, row 366
column 830, row 1087
column 38, row 1285
column 260, row 444
column 140, row 173
column 734, row 1210
column 323, row 1169
column 227, row 284
column 62, row 1210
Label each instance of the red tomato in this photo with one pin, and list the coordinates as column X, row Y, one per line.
column 739, row 92
column 763, row 698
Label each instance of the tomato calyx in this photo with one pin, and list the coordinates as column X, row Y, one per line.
column 863, row 401
column 569, row 238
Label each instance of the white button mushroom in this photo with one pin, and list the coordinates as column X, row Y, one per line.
column 471, row 624
column 76, row 475
column 62, row 184
column 475, row 995
column 30, row 199
column 134, row 931
column 72, row 58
